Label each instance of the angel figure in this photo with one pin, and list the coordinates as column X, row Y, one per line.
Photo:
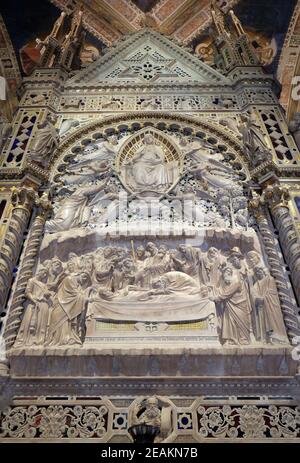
column 207, row 165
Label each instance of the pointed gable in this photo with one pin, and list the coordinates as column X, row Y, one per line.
column 147, row 57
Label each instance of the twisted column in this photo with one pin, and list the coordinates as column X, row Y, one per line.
column 277, row 197
column 288, row 307
column 22, row 201
column 26, row 271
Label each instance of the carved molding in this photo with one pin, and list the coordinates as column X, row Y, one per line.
column 109, row 418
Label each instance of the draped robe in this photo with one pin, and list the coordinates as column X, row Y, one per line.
column 70, row 302
column 266, row 289
column 236, row 322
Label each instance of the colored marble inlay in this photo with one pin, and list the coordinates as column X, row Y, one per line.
column 297, row 202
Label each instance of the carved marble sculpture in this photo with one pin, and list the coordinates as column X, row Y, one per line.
column 46, row 140
column 148, row 169
column 254, row 140
column 153, row 411
column 207, row 165
column 75, row 210
column 265, row 293
column 85, row 171
column 35, row 321
column 210, row 282
column 66, row 324
column 127, row 284
column 236, row 322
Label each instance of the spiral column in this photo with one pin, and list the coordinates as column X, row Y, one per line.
column 277, row 197
column 26, row 270
column 22, row 201
column 288, row 306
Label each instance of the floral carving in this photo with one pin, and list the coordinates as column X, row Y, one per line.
column 55, row 421
column 249, row 422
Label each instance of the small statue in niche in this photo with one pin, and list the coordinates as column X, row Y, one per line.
column 148, row 412
column 254, row 140
column 35, row 321
column 153, row 411
column 46, row 140
column 294, row 127
column 5, row 129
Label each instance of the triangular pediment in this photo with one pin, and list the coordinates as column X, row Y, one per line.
column 148, row 57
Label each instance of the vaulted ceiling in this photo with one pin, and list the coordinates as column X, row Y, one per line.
column 187, row 21
column 108, row 20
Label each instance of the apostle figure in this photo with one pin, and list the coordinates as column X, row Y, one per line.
column 236, row 322
column 148, row 170
column 265, row 291
column 75, row 210
column 104, row 271
column 34, row 323
column 45, row 141
column 69, row 305
column 56, row 274
column 189, row 260
column 212, row 263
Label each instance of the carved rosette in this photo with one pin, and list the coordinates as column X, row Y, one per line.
column 277, row 198
column 276, row 268
column 27, row 266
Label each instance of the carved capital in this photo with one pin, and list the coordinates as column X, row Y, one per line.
column 276, row 196
column 44, row 206
column 255, row 207
column 23, row 197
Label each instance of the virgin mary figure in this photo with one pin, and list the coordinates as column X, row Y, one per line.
column 148, row 170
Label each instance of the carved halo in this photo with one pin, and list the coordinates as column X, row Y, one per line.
column 172, row 154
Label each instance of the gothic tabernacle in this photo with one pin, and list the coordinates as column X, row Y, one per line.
column 150, row 253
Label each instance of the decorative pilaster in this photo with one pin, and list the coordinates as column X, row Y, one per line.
column 276, row 268
column 22, row 201
column 277, row 197
column 26, row 271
